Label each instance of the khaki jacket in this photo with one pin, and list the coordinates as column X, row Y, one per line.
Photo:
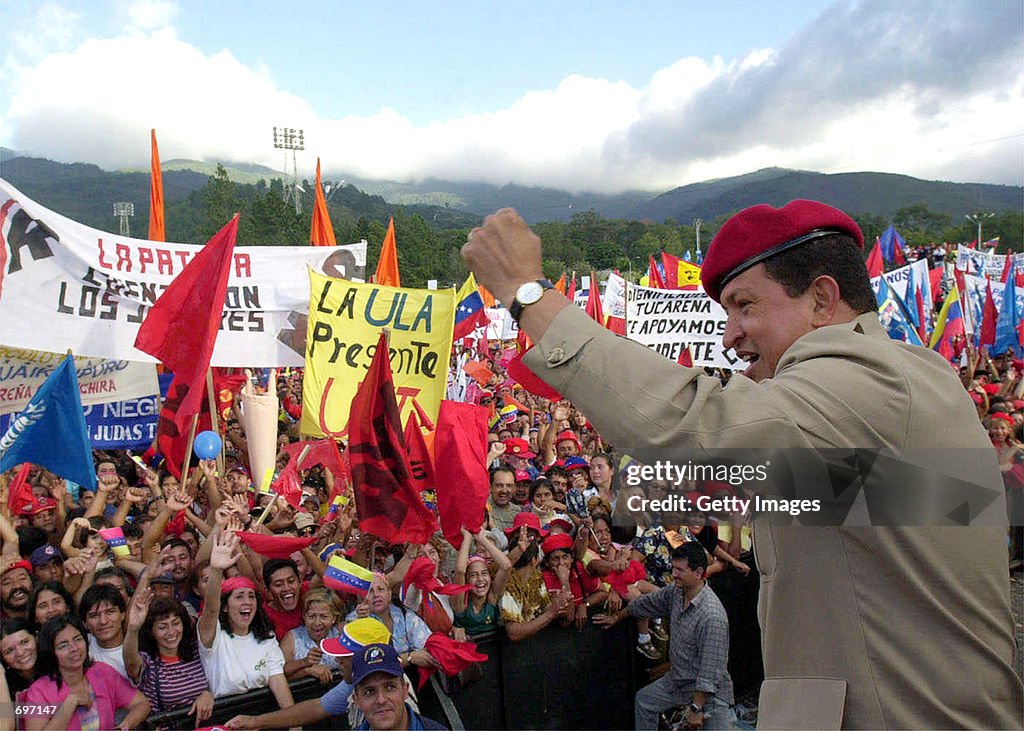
column 895, row 627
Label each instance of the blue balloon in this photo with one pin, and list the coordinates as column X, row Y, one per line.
column 206, row 445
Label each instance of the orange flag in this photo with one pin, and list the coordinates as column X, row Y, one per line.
column 560, row 284
column 387, row 265
column 486, row 296
column 156, row 195
column 320, row 232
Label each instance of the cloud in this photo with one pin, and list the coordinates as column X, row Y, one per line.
column 932, row 88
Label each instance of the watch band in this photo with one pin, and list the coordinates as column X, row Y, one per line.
column 516, row 308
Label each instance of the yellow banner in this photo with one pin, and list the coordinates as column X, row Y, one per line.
column 345, row 321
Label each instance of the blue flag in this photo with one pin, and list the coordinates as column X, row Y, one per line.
column 893, row 315
column 892, row 245
column 1009, row 324
column 687, row 256
column 51, row 430
column 470, row 311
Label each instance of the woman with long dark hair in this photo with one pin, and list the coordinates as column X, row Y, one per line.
column 49, row 599
column 236, row 638
column 161, row 655
column 18, row 651
column 85, row 694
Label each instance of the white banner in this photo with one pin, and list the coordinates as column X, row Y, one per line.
column 614, row 300
column 669, row 320
column 100, row 380
column 984, row 264
column 502, row 326
column 64, row 285
column 899, row 278
column 974, row 297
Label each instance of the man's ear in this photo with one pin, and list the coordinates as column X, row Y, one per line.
column 826, row 297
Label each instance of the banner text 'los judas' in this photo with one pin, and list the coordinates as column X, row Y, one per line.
column 345, row 321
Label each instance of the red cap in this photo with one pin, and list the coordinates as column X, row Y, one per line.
column 44, row 503
column 760, row 232
column 22, row 564
column 991, row 388
column 568, row 436
column 523, row 476
column 518, row 448
column 527, row 518
column 555, row 542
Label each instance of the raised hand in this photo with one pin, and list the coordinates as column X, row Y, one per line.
column 139, row 608
column 224, row 553
column 179, row 500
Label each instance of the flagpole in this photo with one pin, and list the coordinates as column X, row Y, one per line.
column 214, row 420
column 188, row 450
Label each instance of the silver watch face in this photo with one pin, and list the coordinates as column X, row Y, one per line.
column 529, row 293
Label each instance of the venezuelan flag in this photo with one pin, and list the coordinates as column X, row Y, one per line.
column 343, row 575
column 949, row 327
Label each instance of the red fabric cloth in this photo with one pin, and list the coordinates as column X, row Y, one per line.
column 20, row 490
column 594, row 307
column 421, row 463
column 176, row 525
column 654, row 278
column 989, row 318
column 463, row 484
column 453, row 656
column 181, row 328
column 620, row 580
column 521, row 374
column 421, row 575
column 875, row 262
column 581, row 582
column 274, row 546
column 388, row 504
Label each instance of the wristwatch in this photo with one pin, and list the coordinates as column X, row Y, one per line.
column 694, row 708
column 528, row 294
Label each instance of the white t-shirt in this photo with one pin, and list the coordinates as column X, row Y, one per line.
column 113, row 656
column 236, row 664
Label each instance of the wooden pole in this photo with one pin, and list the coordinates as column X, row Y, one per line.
column 188, row 451
column 211, row 398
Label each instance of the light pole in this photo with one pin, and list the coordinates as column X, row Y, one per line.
column 977, row 218
column 124, row 210
column 697, row 223
column 290, row 138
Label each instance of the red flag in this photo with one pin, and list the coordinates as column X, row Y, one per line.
column 1008, row 266
column 421, row 464
column 594, row 308
column 171, row 440
column 671, row 264
column 463, row 486
column 20, row 490
column 875, row 263
column 935, row 280
column 387, row 264
column 452, row 655
column 686, row 358
column 989, row 317
column 321, row 451
column 226, row 386
column 521, row 374
column 275, row 546
column 321, row 233
column 388, row 504
column 922, row 319
column 181, row 326
column 571, row 293
column 654, row 278
column 156, row 193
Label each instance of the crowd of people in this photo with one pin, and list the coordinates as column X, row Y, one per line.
column 100, row 632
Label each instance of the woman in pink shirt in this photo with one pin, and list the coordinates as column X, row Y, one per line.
column 72, row 691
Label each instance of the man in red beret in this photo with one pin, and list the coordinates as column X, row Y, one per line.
column 858, row 623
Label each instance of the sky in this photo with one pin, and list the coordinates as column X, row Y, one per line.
column 594, row 95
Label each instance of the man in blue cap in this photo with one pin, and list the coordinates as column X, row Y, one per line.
column 381, row 692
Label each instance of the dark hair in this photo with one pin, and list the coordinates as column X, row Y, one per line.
column 502, row 468
column 175, row 542
column 132, row 530
column 693, row 553
column 539, row 483
column 30, row 538
column 528, row 555
column 557, row 472
column 57, row 588
column 836, row 256
column 46, row 658
column 121, row 574
column 97, row 594
column 276, row 564
column 16, row 682
column 162, row 608
column 261, row 627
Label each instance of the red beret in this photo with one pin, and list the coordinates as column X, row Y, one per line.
column 760, row 232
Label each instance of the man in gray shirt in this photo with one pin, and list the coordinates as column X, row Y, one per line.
column 698, row 648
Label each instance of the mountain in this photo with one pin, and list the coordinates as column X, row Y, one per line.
column 878, row 193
